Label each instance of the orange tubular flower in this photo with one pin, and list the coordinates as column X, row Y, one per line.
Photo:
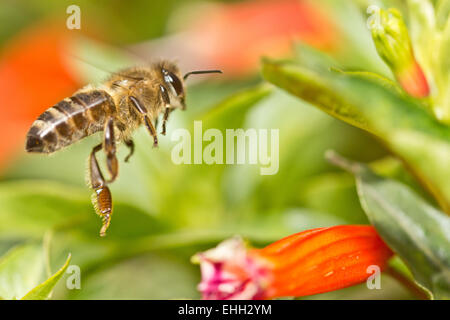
column 235, row 36
column 306, row 263
column 34, row 74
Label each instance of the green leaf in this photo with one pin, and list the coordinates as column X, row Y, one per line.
column 29, row 208
column 416, row 231
column 21, row 269
column 402, row 123
column 385, row 82
column 44, row 290
column 309, row 86
column 231, row 112
column 162, row 275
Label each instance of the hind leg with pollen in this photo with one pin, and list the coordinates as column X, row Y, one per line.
column 101, row 198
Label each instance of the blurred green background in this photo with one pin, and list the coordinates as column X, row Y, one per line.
column 164, row 213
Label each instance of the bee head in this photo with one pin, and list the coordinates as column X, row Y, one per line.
column 173, row 83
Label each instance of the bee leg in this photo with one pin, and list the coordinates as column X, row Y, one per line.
column 165, row 98
column 142, row 110
column 109, row 144
column 130, row 145
column 152, row 131
column 167, row 112
column 101, row 198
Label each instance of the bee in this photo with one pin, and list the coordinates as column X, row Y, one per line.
column 128, row 99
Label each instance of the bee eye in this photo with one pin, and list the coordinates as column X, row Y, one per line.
column 173, row 81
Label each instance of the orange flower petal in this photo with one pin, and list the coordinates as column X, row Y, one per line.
column 323, row 259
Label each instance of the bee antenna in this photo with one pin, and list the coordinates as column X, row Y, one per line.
column 200, row 72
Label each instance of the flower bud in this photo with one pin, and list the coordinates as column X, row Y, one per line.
column 394, row 46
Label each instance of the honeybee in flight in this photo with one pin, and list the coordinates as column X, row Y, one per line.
column 131, row 98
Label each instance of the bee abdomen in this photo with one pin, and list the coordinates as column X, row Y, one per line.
column 69, row 121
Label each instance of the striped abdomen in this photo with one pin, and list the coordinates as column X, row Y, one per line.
column 69, row 121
